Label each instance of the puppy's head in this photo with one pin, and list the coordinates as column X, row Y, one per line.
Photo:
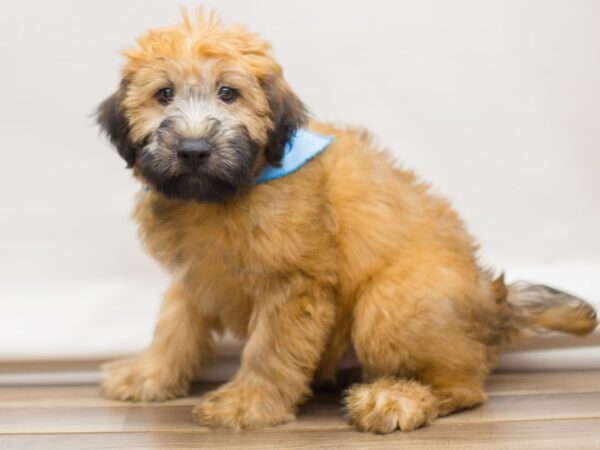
column 201, row 110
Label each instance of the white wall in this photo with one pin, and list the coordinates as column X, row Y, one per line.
column 496, row 103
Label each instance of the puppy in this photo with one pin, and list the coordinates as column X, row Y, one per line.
column 343, row 251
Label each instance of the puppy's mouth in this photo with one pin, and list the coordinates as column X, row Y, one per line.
column 197, row 187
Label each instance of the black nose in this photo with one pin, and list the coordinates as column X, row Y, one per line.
column 193, row 152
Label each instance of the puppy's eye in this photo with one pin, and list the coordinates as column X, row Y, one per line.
column 165, row 95
column 228, row 94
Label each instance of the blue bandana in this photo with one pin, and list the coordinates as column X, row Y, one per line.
column 303, row 146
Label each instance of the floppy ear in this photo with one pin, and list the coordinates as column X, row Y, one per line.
column 113, row 122
column 288, row 115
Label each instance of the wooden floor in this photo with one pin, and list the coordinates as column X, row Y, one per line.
column 525, row 411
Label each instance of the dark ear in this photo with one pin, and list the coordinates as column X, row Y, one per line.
column 288, row 115
column 113, row 122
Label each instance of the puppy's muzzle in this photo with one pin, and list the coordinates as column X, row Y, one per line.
column 193, row 152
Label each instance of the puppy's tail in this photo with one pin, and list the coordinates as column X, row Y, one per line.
column 539, row 308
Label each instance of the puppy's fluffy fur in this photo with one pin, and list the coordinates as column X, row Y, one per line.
column 349, row 251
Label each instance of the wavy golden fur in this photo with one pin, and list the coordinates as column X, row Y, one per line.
column 347, row 252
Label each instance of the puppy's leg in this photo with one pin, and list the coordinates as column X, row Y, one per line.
column 456, row 390
column 278, row 362
column 418, row 363
column 182, row 341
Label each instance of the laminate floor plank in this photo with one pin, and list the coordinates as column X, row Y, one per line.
column 550, row 410
column 322, row 413
column 580, row 434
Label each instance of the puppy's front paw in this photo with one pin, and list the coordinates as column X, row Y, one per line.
column 238, row 406
column 142, row 379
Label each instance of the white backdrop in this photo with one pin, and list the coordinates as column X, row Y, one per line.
column 496, row 103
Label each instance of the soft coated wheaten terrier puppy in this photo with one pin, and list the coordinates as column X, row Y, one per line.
column 304, row 239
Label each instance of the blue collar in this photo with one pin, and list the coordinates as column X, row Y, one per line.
column 303, row 146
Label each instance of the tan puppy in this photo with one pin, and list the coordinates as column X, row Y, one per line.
column 348, row 251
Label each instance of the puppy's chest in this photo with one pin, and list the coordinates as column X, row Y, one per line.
column 218, row 249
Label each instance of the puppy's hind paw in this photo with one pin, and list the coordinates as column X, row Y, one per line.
column 390, row 404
